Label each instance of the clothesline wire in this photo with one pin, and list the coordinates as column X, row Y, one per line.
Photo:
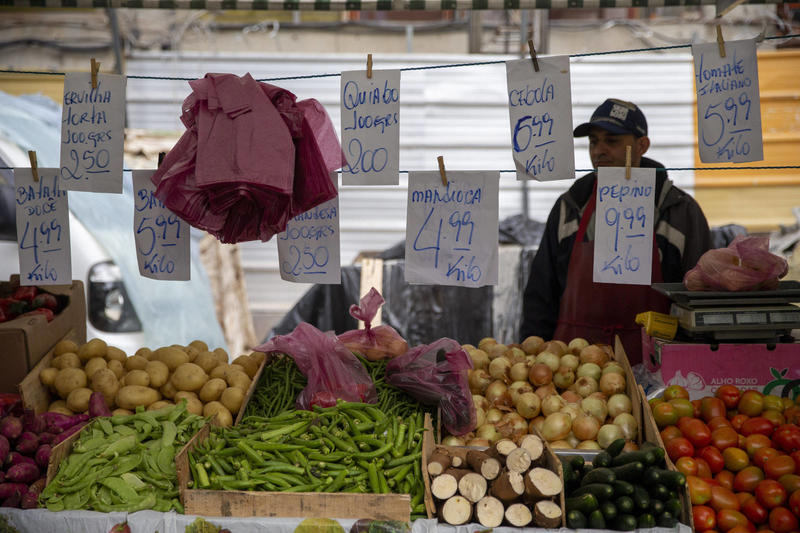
column 671, row 169
column 407, row 69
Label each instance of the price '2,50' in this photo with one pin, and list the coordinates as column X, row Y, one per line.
column 308, row 261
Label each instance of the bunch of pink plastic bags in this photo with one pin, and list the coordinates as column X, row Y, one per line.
column 251, row 158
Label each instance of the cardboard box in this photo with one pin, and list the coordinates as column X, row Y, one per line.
column 26, row 340
column 702, row 368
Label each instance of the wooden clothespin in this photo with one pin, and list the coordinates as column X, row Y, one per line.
column 161, row 157
column 628, row 162
column 442, row 172
column 720, row 41
column 34, row 166
column 369, row 66
column 95, row 69
column 533, row 55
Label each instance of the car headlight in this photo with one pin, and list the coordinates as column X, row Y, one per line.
column 109, row 307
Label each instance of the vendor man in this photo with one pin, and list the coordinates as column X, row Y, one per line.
column 561, row 301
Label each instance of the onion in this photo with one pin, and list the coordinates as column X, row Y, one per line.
column 489, row 432
column 576, row 345
column 478, row 380
column 477, row 442
column 518, row 371
column 550, row 359
column 564, row 377
column 540, row 374
column 607, row 434
column 546, row 390
column 532, row 344
column 480, row 417
column 513, row 425
column 480, row 359
column 612, row 383
column 571, row 396
column 556, row 347
column 588, row 445
column 596, row 408
column 628, row 425
column 593, row 354
column 499, row 368
column 552, row 404
column 515, row 355
column 563, row 345
column 572, row 409
column 485, row 343
column 609, row 351
column 497, row 350
column 560, row 444
column 480, row 402
column 618, row 404
column 556, row 427
column 493, row 416
column 585, row 427
column 584, row 386
column 535, row 425
column 497, row 394
column 613, row 366
column 570, row 361
column 599, row 395
column 572, row 440
column 630, row 446
column 529, row 405
column 589, row 370
column 519, row 387
column 452, row 440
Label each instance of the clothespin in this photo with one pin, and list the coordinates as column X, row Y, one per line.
column 95, row 69
column 628, row 162
column 533, row 55
column 369, row 66
column 161, row 157
column 442, row 172
column 720, row 41
column 34, row 166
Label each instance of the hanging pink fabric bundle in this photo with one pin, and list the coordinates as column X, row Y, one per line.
column 251, row 158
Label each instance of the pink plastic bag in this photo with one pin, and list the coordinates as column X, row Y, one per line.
column 381, row 342
column 436, row 374
column 332, row 371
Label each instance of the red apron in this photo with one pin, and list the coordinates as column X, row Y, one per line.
column 598, row 311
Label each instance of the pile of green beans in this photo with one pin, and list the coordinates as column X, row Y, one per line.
column 392, row 400
column 351, row 447
column 277, row 389
column 124, row 463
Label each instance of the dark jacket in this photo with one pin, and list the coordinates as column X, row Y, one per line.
column 682, row 236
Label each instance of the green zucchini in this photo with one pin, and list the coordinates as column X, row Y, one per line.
column 601, row 491
column 629, row 471
column 622, row 488
column 615, row 448
column 645, row 520
column 576, row 520
column 598, row 475
column 656, row 506
column 596, row 520
column 659, row 452
column 672, row 479
column 659, row 491
column 609, row 510
column 666, row 519
column 673, row 506
column 624, row 522
column 585, row 503
column 569, row 474
column 651, row 476
column 641, row 498
column 624, row 504
column 602, row 459
column 646, row 457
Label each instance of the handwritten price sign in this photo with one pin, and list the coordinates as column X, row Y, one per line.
column 728, row 102
column 42, row 228
column 162, row 239
column 623, row 238
column 451, row 232
column 540, row 108
column 370, row 110
column 92, row 133
column 308, row 251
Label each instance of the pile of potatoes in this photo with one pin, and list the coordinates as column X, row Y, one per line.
column 150, row 378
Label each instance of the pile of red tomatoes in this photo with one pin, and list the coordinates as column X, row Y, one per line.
column 740, row 452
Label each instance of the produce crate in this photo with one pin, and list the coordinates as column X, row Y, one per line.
column 251, row 389
column 631, row 388
column 59, row 453
column 26, row 340
column 238, row 503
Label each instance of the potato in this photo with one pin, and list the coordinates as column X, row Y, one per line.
column 207, row 361
column 168, row 391
column 184, row 394
column 194, row 406
column 212, row 389
column 250, row 365
column 78, row 399
column 137, row 377
column 131, row 396
column 221, row 355
column 93, row 348
column 135, row 362
column 188, row 377
column 67, row 360
column 117, row 368
column 171, row 356
column 48, row 376
column 105, row 382
column 121, row 411
column 219, row 413
column 160, row 404
column 115, row 354
column 232, row 399
column 192, row 352
column 69, row 379
column 64, row 346
column 93, row 365
column 159, row 373
column 237, row 378
column 258, row 356
column 60, row 406
column 199, row 345
column 219, row 371
column 147, row 353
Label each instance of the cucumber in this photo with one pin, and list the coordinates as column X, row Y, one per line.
column 578, row 463
column 602, row 459
column 598, row 475
column 624, row 522
column 657, row 450
column 645, row 520
column 585, row 503
column 570, row 478
column 629, row 472
column 646, row 457
column 672, row 479
column 666, row 519
column 622, row 488
column 609, row 510
column 596, row 520
column 615, row 448
column 640, row 498
column 656, row 507
column 576, row 520
column 673, row 506
column 601, row 491
column 659, row 491
column 624, row 505
column 651, row 476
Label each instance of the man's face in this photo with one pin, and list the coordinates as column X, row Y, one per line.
column 607, row 149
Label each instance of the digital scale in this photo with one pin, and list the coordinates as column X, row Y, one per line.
column 745, row 315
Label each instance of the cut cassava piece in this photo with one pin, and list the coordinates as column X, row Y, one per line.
column 472, row 486
column 438, row 463
column 518, row 515
column 482, row 463
column 444, row 486
column 547, row 514
column 508, row 486
column 458, row 473
column 542, row 483
column 456, row 510
column 489, row 511
column 519, row 460
column 458, row 457
column 534, row 446
column 502, row 448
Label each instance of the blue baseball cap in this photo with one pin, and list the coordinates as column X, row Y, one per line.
column 615, row 116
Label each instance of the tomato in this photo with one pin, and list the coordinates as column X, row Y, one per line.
column 756, row 441
column 743, row 497
column 655, row 401
column 665, row 414
column 772, row 402
column 775, row 417
column 738, row 420
column 730, row 518
column 775, row 467
column 722, row 498
column 761, row 456
column 729, row 395
column 699, row 490
column 686, row 466
column 787, row 438
column 792, row 414
column 770, row 493
column 724, row 478
column 711, row 407
column 696, row 431
column 751, row 403
column 747, row 479
column 703, row 517
column 794, row 502
column 683, row 407
column 735, row 459
column 790, row 482
column 675, row 391
column 796, row 456
column 718, row 422
column 754, row 511
column 713, row 457
column 703, row 469
column 781, row 520
column 757, row 424
column 680, row 447
column 669, row 433
column 723, row 438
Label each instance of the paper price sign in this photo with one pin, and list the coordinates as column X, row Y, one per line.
column 451, row 231
column 370, row 109
column 540, row 108
column 42, row 228
column 162, row 239
column 623, row 238
column 92, row 124
column 728, row 102
column 308, row 251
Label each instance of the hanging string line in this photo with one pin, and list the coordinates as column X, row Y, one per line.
column 671, row 169
column 406, row 69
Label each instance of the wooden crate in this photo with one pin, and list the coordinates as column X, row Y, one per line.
column 631, row 388
column 60, row 452
column 251, row 389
